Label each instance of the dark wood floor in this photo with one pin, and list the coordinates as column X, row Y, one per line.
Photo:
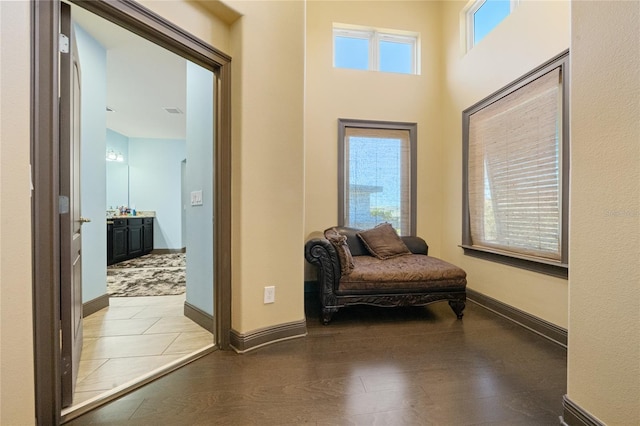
column 413, row 366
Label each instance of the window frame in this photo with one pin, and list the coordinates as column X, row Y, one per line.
column 550, row 267
column 469, row 11
column 375, row 36
column 412, row 128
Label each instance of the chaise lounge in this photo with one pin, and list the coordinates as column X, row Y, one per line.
column 377, row 267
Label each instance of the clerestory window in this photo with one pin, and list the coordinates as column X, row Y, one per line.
column 482, row 16
column 375, row 50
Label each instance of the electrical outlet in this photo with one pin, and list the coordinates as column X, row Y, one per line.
column 269, row 294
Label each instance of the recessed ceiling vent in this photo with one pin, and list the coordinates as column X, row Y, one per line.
column 173, row 110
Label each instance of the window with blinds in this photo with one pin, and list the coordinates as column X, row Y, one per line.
column 377, row 174
column 515, row 149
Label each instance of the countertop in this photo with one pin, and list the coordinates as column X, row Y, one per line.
column 139, row 215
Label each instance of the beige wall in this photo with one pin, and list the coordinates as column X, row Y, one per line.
column 333, row 93
column 16, row 329
column 516, row 46
column 267, row 46
column 604, row 291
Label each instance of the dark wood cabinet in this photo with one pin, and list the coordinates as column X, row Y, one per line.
column 135, row 237
column 109, row 242
column 120, row 244
column 128, row 238
column 147, row 235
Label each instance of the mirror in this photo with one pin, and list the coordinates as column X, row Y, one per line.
column 117, row 184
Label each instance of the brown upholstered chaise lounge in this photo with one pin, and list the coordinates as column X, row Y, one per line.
column 409, row 279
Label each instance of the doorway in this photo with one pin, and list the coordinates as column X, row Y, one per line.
column 46, row 234
column 152, row 116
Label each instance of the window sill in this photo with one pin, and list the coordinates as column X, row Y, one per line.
column 555, row 269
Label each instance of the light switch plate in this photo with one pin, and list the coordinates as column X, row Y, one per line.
column 196, row 198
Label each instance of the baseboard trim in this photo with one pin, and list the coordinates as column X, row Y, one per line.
column 537, row 325
column 198, row 316
column 94, row 305
column 169, row 251
column 574, row 415
column 245, row 342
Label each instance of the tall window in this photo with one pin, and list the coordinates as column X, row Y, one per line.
column 370, row 49
column 482, row 16
column 515, row 146
column 377, row 174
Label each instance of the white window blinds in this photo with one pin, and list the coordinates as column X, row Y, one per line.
column 514, row 171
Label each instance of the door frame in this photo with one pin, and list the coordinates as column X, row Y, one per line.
column 44, row 157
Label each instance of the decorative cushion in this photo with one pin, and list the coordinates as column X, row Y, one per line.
column 383, row 242
column 339, row 241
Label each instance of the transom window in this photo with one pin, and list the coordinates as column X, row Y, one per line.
column 375, row 50
column 377, row 174
column 516, row 163
column 482, row 16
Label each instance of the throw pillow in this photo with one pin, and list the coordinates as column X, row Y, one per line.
column 339, row 241
column 383, row 242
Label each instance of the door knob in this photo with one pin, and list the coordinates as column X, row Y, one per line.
column 84, row 220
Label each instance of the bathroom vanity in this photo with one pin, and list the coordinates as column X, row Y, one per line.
column 128, row 237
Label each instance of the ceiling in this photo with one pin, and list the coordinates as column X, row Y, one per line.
column 142, row 79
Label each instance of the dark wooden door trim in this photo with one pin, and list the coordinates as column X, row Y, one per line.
column 44, row 153
column 44, row 209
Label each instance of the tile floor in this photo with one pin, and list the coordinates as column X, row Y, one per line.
column 132, row 337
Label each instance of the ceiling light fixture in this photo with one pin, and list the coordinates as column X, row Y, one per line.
column 112, row 156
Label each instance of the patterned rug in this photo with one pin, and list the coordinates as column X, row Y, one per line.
column 171, row 260
column 149, row 275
